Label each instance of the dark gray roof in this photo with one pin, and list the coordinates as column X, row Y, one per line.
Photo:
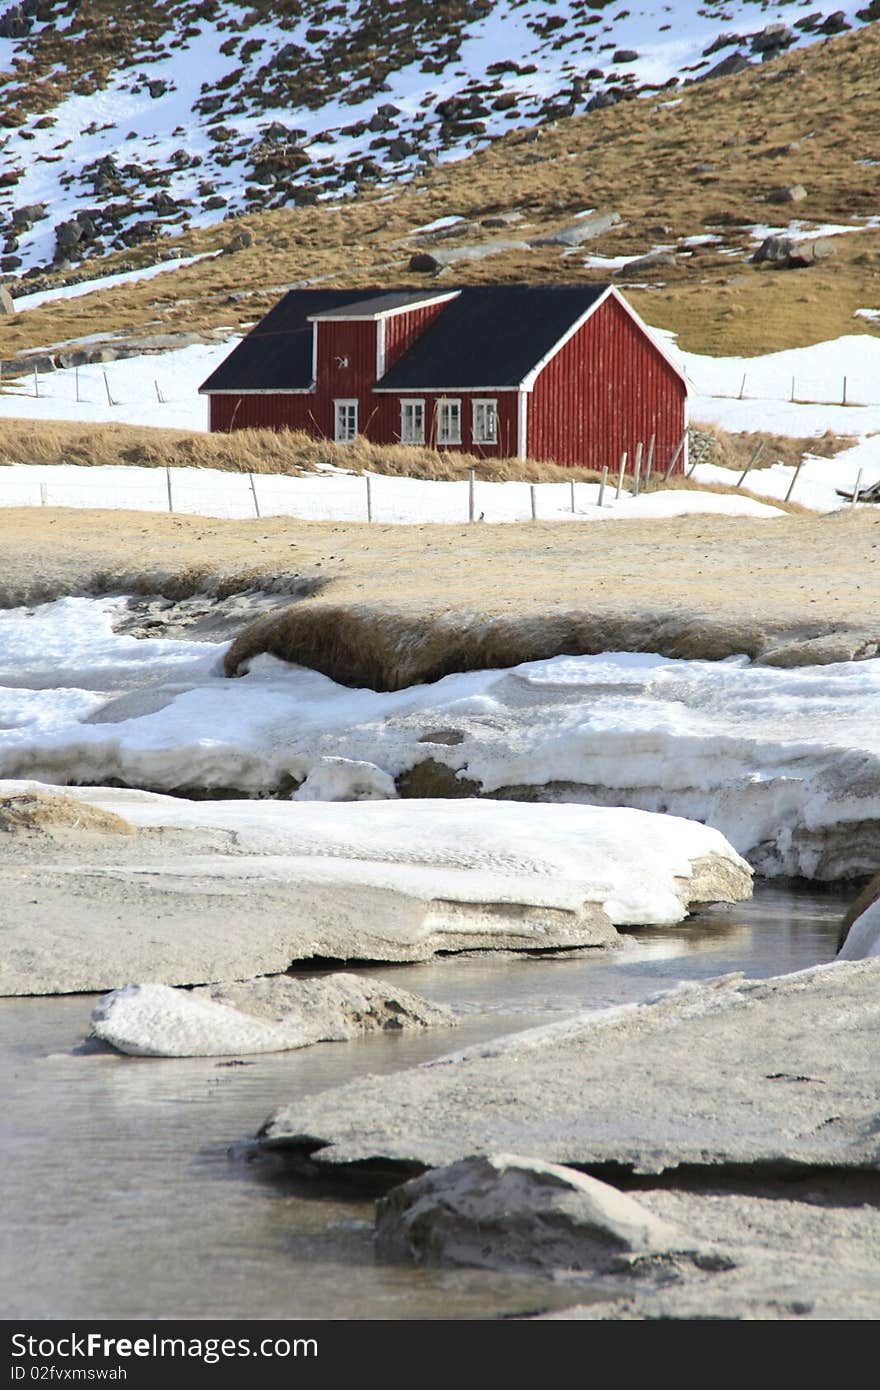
column 277, row 354
column 488, row 335
column 381, row 304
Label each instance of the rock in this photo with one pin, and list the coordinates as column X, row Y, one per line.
column 585, row 229
column 870, row 12
column 860, row 928
column 728, row 67
column 779, row 1073
column 653, row 261
column 239, row 242
column 252, row 1016
column 345, row 779
column 835, row 23
column 68, row 234
column 790, row 254
column 7, row 303
column 499, row 1211
column 27, row 216
column 625, row 55
column 792, row 193
column 773, row 38
column 438, row 259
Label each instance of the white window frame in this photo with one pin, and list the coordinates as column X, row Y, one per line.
column 342, row 431
column 481, row 407
column 449, row 420
column 409, row 432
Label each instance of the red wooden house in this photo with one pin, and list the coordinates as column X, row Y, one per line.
column 559, row 372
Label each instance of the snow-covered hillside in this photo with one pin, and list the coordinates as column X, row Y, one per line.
column 123, row 122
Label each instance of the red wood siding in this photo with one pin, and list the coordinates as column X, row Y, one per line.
column 401, row 330
column 607, row 388
column 385, row 428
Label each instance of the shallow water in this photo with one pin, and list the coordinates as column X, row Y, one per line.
column 129, row 1187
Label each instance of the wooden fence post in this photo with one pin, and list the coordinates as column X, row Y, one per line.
column 369, row 499
column 571, row 485
column 675, row 456
column 751, row 463
column 650, row 464
column 534, row 502
column 602, row 481
column 471, row 475
column 254, row 494
column 110, row 400
column 857, row 489
column 168, row 481
column 620, row 474
column 637, row 468
column 794, row 480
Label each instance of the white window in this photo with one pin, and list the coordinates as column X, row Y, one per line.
column 449, row 422
column 485, row 422
column 346, row 421
column 412, row 422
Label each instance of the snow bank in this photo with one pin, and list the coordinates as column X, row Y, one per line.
column 226, row 890
column 785, row 763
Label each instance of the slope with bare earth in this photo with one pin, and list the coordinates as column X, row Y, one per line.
column 394, row 605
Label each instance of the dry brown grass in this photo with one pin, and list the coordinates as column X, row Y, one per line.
column 640, row 157
column 293, row 453
column 34, row 810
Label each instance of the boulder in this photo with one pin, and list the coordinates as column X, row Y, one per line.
column 728, row 67
column 7, row 303
column 791, row 193
column 653, row 261
column 501, row 1210
column 788, row 254
column 585, row 229
column 26, row 216
column 239, row 242
column 773, row 38
column 253, row 1016
column 436, row 260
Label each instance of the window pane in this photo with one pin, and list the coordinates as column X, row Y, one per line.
column 412, row 422
column 449, row 422
column 485, row 422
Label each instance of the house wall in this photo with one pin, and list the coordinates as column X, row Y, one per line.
column 385, row 428
column 401, row 330
column 605, row 390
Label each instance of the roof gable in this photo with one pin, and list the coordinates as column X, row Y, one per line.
column 277, row 353
column 491, row 335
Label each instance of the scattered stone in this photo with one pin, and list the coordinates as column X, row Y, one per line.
column 253, row 1016
column 585, row 229
column 835, row 23
column 25, row 217
column 625, row 55
column 240, row 242
column 789, row 254
column 438, row 259
column 501, row 1211
column 728, row 67
column 772, row 39
column 654, row 260
column 792, row 193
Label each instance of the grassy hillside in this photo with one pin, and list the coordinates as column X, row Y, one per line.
column 703, row 163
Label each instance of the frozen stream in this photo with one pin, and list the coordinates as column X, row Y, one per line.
column 129, row 1189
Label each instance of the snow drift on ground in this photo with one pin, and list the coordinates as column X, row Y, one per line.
column 785, row 763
